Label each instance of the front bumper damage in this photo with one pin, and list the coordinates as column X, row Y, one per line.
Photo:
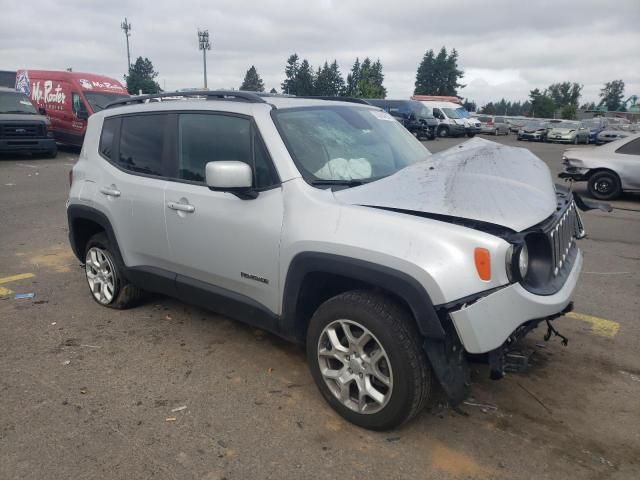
column 489, row 322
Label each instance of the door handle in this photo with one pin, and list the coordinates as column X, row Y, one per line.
column 181, row 207
column 110, row 191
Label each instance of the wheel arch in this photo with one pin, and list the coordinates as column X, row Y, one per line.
column 313, row 277
column 85, row 222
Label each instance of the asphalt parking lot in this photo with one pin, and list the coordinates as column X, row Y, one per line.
column 87, row 392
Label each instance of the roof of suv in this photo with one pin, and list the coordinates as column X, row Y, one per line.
column 176, row 101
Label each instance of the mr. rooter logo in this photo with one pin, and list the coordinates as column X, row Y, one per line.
column 48, row 94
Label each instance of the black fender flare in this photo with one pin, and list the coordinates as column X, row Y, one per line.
column 83, row 212
column 399, row 283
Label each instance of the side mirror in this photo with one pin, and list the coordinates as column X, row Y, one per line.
column 231, row 176
column 82, row 114
column 42, row 110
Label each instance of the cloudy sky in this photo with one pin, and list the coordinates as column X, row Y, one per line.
column 506, row 47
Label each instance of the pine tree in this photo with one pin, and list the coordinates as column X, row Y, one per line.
column 141, row 77
column 273, row 90
column 353, row 79
column 323, row 85
column 452, row 75
column 304, row 79
column 291, row 73
column 371, row 78
column 424, row 76
column 252, row 81
column 337, row 82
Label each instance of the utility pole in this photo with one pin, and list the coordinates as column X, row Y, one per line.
column 126, row 27
column 204, row 45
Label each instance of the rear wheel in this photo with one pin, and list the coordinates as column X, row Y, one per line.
column 105, row 275
column 575, row 140
column 604, row 185
column 496, row 132
column 471, row 135
column 366, row 357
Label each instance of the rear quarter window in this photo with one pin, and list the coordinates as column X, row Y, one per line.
column 141, row 143
column 106, row 138
column 630, row 148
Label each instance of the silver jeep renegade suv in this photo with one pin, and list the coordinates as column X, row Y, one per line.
column 329, row 224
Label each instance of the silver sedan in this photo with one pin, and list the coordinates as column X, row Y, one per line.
column 609, row 170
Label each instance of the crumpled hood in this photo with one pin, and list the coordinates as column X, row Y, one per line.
column 477, row 180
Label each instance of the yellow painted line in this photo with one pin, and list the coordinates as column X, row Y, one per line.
column 15, row 278
column 599, row 326
column 4, row 292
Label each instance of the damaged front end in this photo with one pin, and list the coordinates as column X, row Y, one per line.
column 492, row 323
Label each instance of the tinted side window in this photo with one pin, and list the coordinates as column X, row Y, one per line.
column 631, row 148
column 141, row 143
column 106, row 139
column 207, row 138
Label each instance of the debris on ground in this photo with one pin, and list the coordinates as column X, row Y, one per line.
column 484, row 407
column 20, row 296
column 393, row 439
column 170, row 419
column 178, row 409
column 66, row 362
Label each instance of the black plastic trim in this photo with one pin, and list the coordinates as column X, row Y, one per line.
column 394, row 281
column 229, row 95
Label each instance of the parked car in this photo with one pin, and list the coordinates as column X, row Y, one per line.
column 22, row 128
column 533, row 130
column 248, row 205
column 415, row 117
column 567, row 131
column 472, row 124
column 608, row 170
column 493, row 125
column 68, row 98
column 595, row 126
column 611, row 134
column 515, row 124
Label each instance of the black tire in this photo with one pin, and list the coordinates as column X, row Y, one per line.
column 443, row 131
column 471, row 135
column 575, row 140
column 395, row 330
column 125, row 294
column 496, row 132
column 604, row 185
column 53, row 153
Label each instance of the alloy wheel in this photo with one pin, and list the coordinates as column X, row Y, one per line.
column 100, row 275
column 355, row 366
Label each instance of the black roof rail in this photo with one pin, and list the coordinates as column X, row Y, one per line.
column 336, row 99
column 231, row 95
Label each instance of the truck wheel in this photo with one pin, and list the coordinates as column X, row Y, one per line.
column 53, row 153
column 604, row 185
column 471, row 135
column 366, row 357
column 443, row 131
column 105, row 275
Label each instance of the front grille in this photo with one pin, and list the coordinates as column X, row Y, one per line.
column 563, row 235
column 22, row 130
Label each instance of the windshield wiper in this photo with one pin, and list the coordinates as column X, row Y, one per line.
column 346, row 183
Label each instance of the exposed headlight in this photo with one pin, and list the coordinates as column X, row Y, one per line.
column 523, row 261
column 517, row 262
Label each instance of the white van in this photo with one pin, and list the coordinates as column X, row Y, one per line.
column 454, row 120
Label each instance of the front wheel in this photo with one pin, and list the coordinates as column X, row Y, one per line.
column 443, row 131
column 604, row 185
column 471, row 134
column 366, row 357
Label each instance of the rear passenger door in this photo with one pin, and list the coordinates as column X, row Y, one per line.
column 131, row 187
column 225, row 245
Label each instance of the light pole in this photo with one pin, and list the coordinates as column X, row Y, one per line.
column 204, row 45
column 126, row 27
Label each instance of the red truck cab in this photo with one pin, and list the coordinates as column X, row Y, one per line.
column 68, row 98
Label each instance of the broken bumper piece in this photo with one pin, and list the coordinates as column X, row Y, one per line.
column 487, row 323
